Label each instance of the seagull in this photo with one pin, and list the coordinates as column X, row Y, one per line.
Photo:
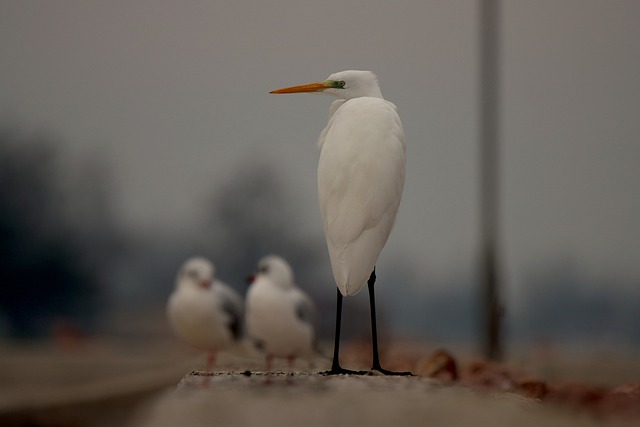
column 204, row 312
column 279, row 315
column 361, row 175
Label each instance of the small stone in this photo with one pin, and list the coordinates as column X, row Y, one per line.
column 439, row 365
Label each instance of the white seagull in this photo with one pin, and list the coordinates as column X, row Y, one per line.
column 360, row 181
column 205, row 312
column 279, row 315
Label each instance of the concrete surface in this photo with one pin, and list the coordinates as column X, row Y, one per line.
column 136, row 384
column 307, row 399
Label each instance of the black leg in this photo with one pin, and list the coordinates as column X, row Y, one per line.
column 374, row 330
column 336, row 369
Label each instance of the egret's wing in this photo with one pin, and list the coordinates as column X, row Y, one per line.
column 360, row 181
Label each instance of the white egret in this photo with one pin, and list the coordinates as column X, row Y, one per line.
column 279, row 316
column 360, row 180
column 205, row 312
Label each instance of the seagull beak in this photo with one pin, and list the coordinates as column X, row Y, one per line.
column 205, row 283
column 251, row 279
column 311, row 87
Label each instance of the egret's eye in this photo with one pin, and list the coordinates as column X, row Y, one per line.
column 341, row 83
column 263, row 269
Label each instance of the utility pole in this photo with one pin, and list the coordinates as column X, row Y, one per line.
column 489, row 121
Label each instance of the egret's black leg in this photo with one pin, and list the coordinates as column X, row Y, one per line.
column 336, row 369
column 374, row 330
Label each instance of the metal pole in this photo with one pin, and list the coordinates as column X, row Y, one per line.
column 489, row 51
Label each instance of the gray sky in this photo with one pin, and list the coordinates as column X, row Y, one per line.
column 176, row 95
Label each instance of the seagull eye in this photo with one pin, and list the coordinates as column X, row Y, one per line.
column 263, row 269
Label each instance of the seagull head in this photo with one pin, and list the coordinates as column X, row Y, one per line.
column 197, row 273
column 277, row 270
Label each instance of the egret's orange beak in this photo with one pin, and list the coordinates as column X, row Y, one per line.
column 311, row 87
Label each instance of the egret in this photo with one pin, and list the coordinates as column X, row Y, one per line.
column 361, row 175
column 280, row 316
column 204, row 312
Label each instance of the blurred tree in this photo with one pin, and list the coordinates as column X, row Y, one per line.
column 45, row 271
column 253, row 215
column 561, row 305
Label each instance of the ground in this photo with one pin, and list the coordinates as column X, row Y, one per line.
column 106, row 383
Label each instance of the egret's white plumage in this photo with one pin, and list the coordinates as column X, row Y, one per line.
column 279, row 315
column 360, row 173
column 204, row 312
column 360, row 180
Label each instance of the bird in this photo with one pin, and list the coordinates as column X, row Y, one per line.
column 205, row 312
column 279, row 316
column 361, row 174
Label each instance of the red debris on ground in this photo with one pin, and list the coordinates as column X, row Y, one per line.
column 534, row 389
column 489, row 376
column 439, row 365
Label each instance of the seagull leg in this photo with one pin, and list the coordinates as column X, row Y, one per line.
column 290, row 361
column 336, row 369
column 211, row 361
column 268, row 374
column 374, row 331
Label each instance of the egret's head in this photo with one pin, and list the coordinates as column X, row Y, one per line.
column 344, row 84
column 353, row 84
column 196, row 272
column 277, row 270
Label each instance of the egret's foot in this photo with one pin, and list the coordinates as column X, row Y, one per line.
column 338, row 370
column 394, row 373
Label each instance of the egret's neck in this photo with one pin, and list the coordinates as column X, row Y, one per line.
column 372, row 92
column 375, row 93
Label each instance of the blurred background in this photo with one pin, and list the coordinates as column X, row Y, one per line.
column 135, row 134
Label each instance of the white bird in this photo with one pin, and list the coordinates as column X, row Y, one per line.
column 360, row 181
column 204, row 312
column 279, row 315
